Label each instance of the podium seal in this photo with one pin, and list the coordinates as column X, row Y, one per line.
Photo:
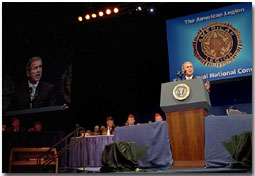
column 181, row 91
column 217, row 44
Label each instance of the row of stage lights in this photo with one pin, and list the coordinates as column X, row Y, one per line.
column 88, row 17
column 108, row 12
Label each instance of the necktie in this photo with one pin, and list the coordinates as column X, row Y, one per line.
column 33, row 90
column 32, row 96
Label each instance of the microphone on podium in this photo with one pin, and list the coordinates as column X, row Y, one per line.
column 180, row 74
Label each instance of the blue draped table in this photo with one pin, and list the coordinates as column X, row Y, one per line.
column 219, row 129
column 88, row 150
column 155, row 135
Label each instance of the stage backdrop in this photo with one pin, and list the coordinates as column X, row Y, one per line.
column 217, row 42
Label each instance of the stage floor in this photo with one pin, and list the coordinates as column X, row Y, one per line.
column 164, row 170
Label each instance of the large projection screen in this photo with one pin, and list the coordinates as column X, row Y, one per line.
column 217, row 42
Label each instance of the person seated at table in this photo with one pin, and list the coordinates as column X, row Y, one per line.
column 104, row 131
column 102, row 127
column 158, row 117
column 4, row 127
column 82, row 132
column 96, row 130
column 15, row 126
column 88, row 133
column 110, row 125
column 37, row 127
column 131, row 120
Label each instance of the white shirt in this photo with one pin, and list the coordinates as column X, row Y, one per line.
column 187, row 78
column 33, row 87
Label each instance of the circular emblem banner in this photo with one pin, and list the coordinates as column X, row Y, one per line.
column 217, row 44
column 181, row 91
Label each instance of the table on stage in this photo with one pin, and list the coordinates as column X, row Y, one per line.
column 219, row 129
column 88, row 150
column 155, row 135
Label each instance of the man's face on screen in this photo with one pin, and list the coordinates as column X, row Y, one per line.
column 35, row 72
column 188, row 67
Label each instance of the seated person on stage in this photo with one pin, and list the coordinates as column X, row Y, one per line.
column 110, row 125
column 87, row 133
column 82, row 132
column 34, row 93
column 188, row 69
column 37, row 127
column 158, row 117
column 104, row 131
column 102, row 127
column 96, row 130
column 15, row 126
column 131, row 120
column 4, row 127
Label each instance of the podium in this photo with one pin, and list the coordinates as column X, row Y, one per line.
column 185, row 104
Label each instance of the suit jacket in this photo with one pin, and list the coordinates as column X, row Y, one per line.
column 11, row 129
column 194, row 77
column 45, row 96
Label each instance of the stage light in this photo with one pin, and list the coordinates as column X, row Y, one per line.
column 101, row 13
column 151, row 10
column 108, row 11
column 80, row 18
column 93, row 15
column 139, row 8
column 115, row 10
column 87, row 17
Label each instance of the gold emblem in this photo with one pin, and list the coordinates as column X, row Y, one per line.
column 217, row 44
column 181, row 91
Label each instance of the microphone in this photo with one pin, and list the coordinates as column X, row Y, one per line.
column 180, row 74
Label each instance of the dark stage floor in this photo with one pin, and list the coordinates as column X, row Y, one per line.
column 162, row 170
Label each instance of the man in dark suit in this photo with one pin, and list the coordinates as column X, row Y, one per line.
column 15, row 126
column 34, row 93
column 188, row 69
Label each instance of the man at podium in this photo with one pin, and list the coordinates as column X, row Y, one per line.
column 188, row 70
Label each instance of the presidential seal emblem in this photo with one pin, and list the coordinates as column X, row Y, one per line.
column 217, row 44
column 181, row 91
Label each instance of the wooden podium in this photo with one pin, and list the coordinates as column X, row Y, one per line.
column 185, row 104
